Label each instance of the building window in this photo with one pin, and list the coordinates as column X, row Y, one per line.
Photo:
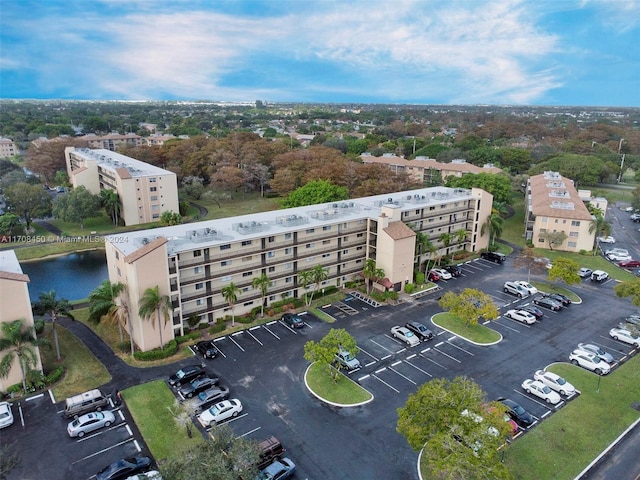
column 272, row 269
column 152, row 179
column 271, row 254
column 153, row 189
column 199, row 302
column 573, row 234
column 326, row 227
column 572, row 244
column 287, row 280
column 541, row 240
column 555, row 221
column 326, row 255
column 287, row 250
column 309, row 245
column 272, row 298
column 288, row 266
column 197, row 253
column 575, row 223
column 360, row 235
column 326, row 242
column 247, row 259
column 247, row 274
column 225, row 247
column 246, row 304
column 197, row 270
column 154, row 198
column 310, row 230
column 272, row 239
column 287, row 236
column 227, row 278
column 155, row 215
column 199, row 286
column 359, row 261
column 246, row 242
column 432, row 208
column 225, row 263
column 360, row 248
column 344, row 252
column 246, row 289
column 117, row 255
column 543, row 219
column 346, row 238
column 118, row 269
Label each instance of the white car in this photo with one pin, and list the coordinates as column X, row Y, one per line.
column 555, row 382
column 608, row 239
column 151, row 475
column 617, row 251
column 442, row 273
column 6, row 415
column 521, row 316
column 527, row 286
column 90, row 422
column 585, row 272
column 220, row 411
column 618, row 257
column 589, row 361
column 625, row 336
column 405, row 335
column 541, row 390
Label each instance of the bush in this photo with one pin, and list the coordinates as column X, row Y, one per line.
column 55, row 375
column 169, row 349
column 123, row 347
column 193, row 320
column 17, row 388
column 409, row 288
column 419, row 278
column 203, row 326
column 39, row 326
column 188, row 337
column 583, row 252
column 217, row 328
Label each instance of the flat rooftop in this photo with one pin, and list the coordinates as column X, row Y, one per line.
column 112, row 160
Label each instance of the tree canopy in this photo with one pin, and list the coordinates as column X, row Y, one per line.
column 583, row 169
column 566, row 270
column 28, row 201
column 497, row 185
column 324, row 350
column 469, row 305
column 77, row 205
column 318, row 191
column 629, row 288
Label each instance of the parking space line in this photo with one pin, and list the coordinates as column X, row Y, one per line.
column 370, row 363
column 530, row 397
column 396, row 363
column 425, row 350
column 447, row 355
column 433, row 361
column 506, row 326
column 382, row 381
column 129, row 430
column 411, row 356
column 364, row 377
column 381, row 370
column 269, row 330
column 232, row 419
column 99, row 452
column 418, row 368
column 403, row 376
column 249, row 432
column 460, row 348
column 34, row 397
column 255, row 328
column 438, row 344
column 271, row 322
column 254, row 337
column 121, row 415
column 373, row 341
column 237, row 344
column 287, row 327
column 385, row 357
column 367, row 353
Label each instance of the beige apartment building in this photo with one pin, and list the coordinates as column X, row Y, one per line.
column 421, row 169
column 113, row 141
column 15, row 302
column 8, row 148
column 145, row 191
column 553, row 205
column 192, row 263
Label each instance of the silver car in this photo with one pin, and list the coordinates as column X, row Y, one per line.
column 597, row 351
column 89, row 422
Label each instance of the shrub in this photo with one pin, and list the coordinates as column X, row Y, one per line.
column 217, row 328
column 54, row 375
column 583, row 252
column 246, row 318
column 17, row 388
column 409, row 288
column 39, row 325
column 123, row 347
column 193, row 320
column 203, row 326
column 391, row 295
column 188, row 337
column 419, row 278
column 156, row 354
column 35, row 380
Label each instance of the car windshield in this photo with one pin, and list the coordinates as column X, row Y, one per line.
column 546, row 389
column 408, row 334
column 518, row 409
column 596, row 359
column 180, row 374
column 560, row 381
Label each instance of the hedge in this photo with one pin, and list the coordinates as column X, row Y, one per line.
column 188, row 337
column 156, row 354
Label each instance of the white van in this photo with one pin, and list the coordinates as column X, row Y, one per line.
column 85, row 402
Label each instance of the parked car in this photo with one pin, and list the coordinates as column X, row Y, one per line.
column 186, row 374
column 125, row 467
column 346, row 360
column 6, row 415
column 280, row 469
column 629, row 264
column 599, row 276
column 270, row 450
column 292, row 320
column 527, row 286
column 90, row 422
column 433, row 276
column 220, row 411
column 547, row 302
column 617, row 251
column 207, row 349
column 608, row 239
column 85, row 402
column 514, row 289
column 444, row 274
column 618, row 257
column 555, row 382
column 585, row 272
column 635, row 217
column 589, row 361
column 519, row 415
column 209, row 397
column 420, row 330
column 454, row 270
column 558, row 297
column 596, row 350
column 493, row 256
column 540, row 390
column 198, row 385
column 405, row 335
column 533, row 310
column 521, row 316
column 625, row 336
column 150, row 475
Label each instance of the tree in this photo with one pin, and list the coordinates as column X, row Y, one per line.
column 527, row 259
column 107, row 302
column 54, row 307
column 554, row 238
column 224, row 456
column 445, row 238
column 497, row 185
column 182, row 413
column 371, row 273
column 230, row 294
column 456, row 445
column 305, row 278
column 469, row 305
column 629, row 288
column 495, row 223
column 582, row 169
column 77, row 205
column 20, row 343
column 319, row 274
column 599, row 227
column 28, row 201
column 153, row 303
column 110, row 201
column 170, row 218
column 319, row 191
column 566, row 270
column 324, row 351
column 8, row 223
column 263, row 283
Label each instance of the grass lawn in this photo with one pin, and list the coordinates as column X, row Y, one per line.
column 82, row 370
column 513, row 227
column 594, row 262
column 240, row 204
column 148, row 404
column 564, row 444
column 345, row 391
column 478, row 334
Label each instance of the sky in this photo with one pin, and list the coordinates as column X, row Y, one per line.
column 500, row 52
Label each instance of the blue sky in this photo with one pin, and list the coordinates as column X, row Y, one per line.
column 538, row 52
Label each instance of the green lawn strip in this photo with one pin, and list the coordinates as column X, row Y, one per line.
column 57, row 248
column 594, row 262
column 572, row 437
column 513, row 227
column 545, row 287
column 478, row 334
column 240, row 204
column 344, row 391
column 149, row 406
column 82, row 370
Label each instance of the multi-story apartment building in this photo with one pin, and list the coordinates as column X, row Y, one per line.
column 421, row 169
column 113, row 140
column 192, row 263
column 553, row 205
column 145, row 191
column 14, row 298
column 7, row 148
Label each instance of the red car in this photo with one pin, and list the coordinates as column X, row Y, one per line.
column 433, row 276
column 629, row 264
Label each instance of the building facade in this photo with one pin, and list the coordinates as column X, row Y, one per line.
column 553, row 205
column 145, row 191
column 8, row 148
column 16, row 304
column 192, row 263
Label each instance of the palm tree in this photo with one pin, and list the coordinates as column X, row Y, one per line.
column 230, row 294
column 111, row 202
column 20, row 343
column 107, row 302
column 263, row 283
column 371, row 273
column 446, row 239
column 495, row 223
column 600, row 227
column 48, row 303
column 319, row 275
column 305, row 277
column 461, row 235
column 153, row 302
column 432, row 250
column 500, row 208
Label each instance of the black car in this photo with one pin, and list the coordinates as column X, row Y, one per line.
column 547, row 302
column 209, row 397
column 207, row 349
column 533, row 310
column 292, row 320
column 186, row 374
column 124, row 468
column 454, row 270
column 493, row 256
column 198, row 385
column 518, row 414
column 558, row 297
column 422, row 332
